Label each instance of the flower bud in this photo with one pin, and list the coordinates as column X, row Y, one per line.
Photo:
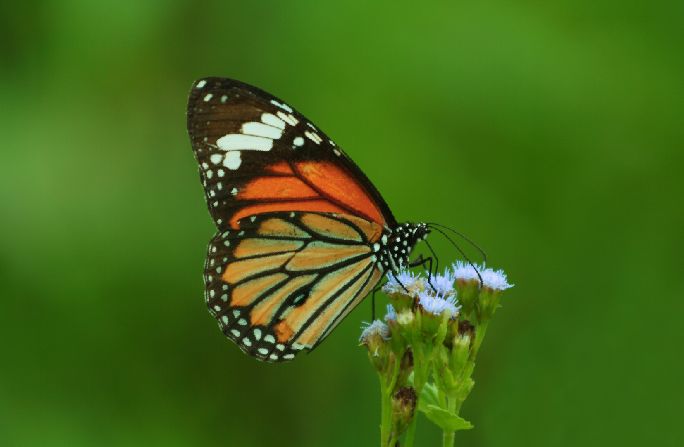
column 402, row 288
column 479, row 288
column 408, row 325
column 403, row 408
column 436, row 311
column 375, row 337
column 467, row 294
column 405, row 367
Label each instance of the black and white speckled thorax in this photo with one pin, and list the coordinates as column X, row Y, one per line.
column 395, row 245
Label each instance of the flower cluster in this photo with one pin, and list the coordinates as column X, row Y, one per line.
column 424, row 351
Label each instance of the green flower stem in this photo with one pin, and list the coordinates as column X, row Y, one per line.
column 455, row 400
column 387, row 385
column 410, row 433
column 420, row 373
column 480, row 332
column 385, row 415
column 449, row 436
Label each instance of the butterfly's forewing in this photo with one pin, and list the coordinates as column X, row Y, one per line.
column 257, row 154
column 282, row 281
column 298, row 221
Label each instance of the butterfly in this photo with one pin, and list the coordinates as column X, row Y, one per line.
column 302, row 234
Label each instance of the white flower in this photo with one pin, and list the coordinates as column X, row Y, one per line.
column 405, row 278
column 491, row 279
column 443, row 284
column 377, row 327
column 391, row 314
column 495, row 279
column 465, row 271
column 436, row 304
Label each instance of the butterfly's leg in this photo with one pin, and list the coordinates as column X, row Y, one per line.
column 394, row 275
column 422, row 262
column 429, row 262
column 434, row 255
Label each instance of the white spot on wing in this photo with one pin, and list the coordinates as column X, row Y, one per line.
column 282, row 106
column 313, row 136
column 298, row 141
column 238, row 142
column 216, row 158
column 289, row 119
column 201, row 84
column 272, row 120
column 208, row 97
column 261, row 130
column 233, row 160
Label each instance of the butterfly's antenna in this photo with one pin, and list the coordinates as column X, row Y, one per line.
column 460, row 251
column 462, row 236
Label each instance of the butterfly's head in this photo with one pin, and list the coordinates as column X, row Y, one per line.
column 415, row 232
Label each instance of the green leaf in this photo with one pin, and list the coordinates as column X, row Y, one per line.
column 446, row 420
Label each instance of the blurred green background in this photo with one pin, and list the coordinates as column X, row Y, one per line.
column 550, row 133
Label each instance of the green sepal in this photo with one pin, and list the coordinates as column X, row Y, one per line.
column 445, row 419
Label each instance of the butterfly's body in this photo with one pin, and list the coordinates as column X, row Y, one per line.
column 303, row 235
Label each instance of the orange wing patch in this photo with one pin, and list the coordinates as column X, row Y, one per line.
column 280, row 168
column 336, row 184
column 306, row 186
column 244, row 294
column 239, row 270
column 279, row 227
column 372, row 230
column 319, row 254
column 264, row 311
column 276, row 188
column 259, row 247
column 330, row 227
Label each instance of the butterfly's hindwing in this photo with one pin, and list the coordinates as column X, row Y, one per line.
column 282, row 281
